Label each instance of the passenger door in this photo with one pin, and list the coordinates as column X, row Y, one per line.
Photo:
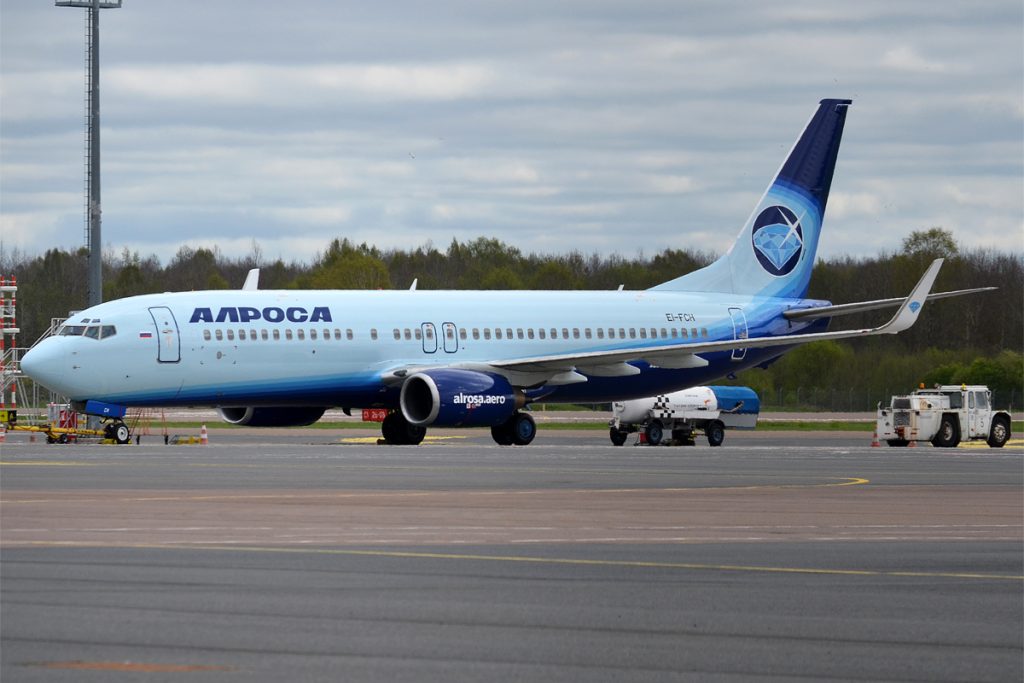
column 450, row 334
column 169, row 342
column 429, row 338
column 739, row 331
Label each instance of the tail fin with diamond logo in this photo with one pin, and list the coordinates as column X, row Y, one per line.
column 774, row 253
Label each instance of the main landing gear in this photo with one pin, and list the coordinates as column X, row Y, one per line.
column 398, row 431
column 518, row 430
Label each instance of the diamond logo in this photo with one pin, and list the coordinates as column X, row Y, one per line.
column 914, row 305
column 778, row 240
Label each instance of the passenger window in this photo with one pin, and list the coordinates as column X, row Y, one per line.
column 554, row 334
column 529, row 333
column 487, row 333
column 398, row 334
column 231, row 335
column 586, row 333
column 219, row 335
column 349, row 335
column 675, row 333
column 643, row 333
column 654, row 333
column 476, row 333
column 704, row 332
column 622, row 333
column 508, row 333
column 327, row 334
column 600, row 333
column 337, row 334
column 312, row 334
column 693, row 332
column 277, row 335
column 92, row 332
column 408, row 334
column 301, row 334
column 682, row 332
column 519, row 332
column 373, row 333
column 611, row 333
column 263, row 334
column 206, row 335
column 241, row 334
column 632, row 333
column 565, row 333
column 541, row 333
column 418, row 333
column 497, row 333
column 288, row 334
column 462, row 333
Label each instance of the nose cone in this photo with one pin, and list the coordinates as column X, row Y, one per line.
column 45, row 364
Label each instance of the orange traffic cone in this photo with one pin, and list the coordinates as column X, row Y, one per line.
column 875, row 443
column 3, row 432
column 204, row 438
column 912, row 443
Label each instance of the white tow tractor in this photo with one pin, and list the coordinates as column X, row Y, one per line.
column 944, row 415
column 681, row 413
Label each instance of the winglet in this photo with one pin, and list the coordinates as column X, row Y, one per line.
column 252, row 281
column 906, row 316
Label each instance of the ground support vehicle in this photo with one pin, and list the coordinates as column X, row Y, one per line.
column 944, row 415
column 682, row 413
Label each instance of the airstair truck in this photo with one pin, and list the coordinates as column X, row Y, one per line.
column 944, row 415
column 682, row 413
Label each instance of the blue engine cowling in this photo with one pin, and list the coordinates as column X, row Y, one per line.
column 283, row 416
column 458, row 398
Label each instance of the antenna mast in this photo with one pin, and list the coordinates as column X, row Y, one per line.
column 93, row 210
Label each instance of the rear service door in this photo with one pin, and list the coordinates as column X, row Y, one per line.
column 739, row 331
column 167, row 334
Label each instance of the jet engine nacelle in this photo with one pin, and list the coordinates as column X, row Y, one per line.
column 458, row 398
column 283, row 416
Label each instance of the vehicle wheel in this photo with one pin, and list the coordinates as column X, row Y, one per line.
column 654, row 432
column 897, row 443
column 715, row 433
column 1000, row 432
column 523, row 429
column 502, row 434
column 948, row 435
column 121, row 433
column 617, row 436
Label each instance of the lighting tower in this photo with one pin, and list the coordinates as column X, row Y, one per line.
column 92, row 138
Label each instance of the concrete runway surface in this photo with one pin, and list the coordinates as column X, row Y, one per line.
column 312, row 556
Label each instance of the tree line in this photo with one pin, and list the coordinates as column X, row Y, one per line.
column 974, row 339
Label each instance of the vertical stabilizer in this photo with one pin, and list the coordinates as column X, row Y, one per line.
column 774, row 253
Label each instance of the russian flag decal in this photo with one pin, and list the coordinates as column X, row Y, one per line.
column 145, row 335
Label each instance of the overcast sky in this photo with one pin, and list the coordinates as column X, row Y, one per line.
column 608, row 127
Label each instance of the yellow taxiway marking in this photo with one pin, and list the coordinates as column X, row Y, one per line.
column 562, row 561
column 374, row 439
column 1012, row 443
column 843, row 481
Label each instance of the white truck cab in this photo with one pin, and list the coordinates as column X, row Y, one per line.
column 944, row 415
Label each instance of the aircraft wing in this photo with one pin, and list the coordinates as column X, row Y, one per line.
column 861, row 306
column 563, row 369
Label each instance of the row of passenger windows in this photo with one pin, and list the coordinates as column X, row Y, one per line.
column 477, row 333
column 578, row 333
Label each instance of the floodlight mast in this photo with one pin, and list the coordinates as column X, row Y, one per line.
column 92, row 139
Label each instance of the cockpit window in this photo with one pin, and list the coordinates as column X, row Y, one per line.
column 107, row 331
column 72, row 331
column 92, row 332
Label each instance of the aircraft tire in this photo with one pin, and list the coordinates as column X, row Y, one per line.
column 654, row 431
column 715, row 432
column 398, row 432
column 618, row 436
column 120, row 433
column 524, row 429
column 502, row 434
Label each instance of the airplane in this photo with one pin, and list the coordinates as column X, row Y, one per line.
column 472, row 358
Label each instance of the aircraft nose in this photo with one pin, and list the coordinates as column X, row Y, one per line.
column 45, row 364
